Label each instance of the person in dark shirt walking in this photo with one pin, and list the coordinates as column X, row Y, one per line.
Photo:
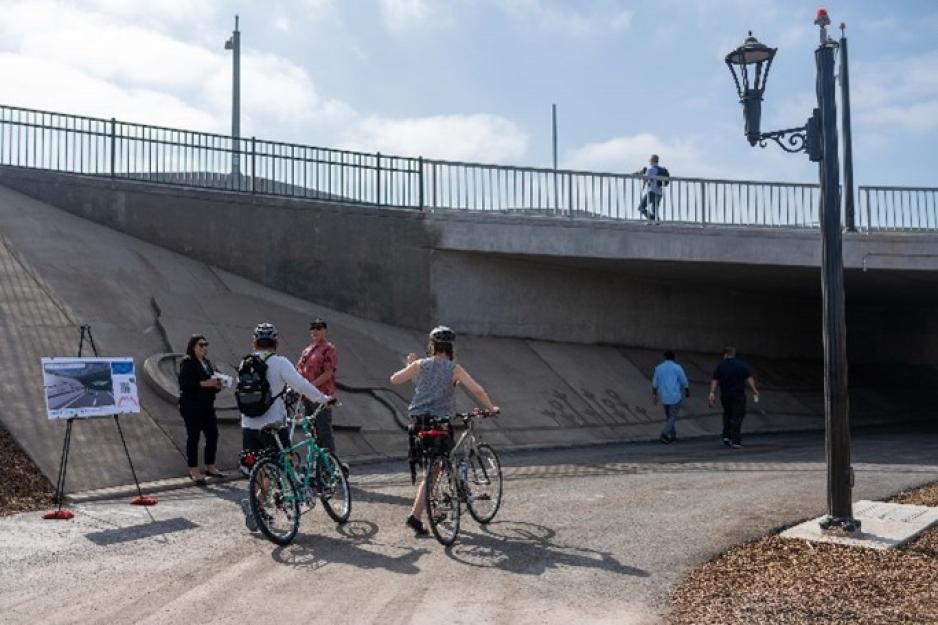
column 733, row 376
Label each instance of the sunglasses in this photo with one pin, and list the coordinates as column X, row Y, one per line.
column 201, row 344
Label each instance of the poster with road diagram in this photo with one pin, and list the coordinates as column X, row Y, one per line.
column 89, row 387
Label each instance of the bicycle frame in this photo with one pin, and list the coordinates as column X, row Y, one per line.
column 469, row 435
column 313, row 452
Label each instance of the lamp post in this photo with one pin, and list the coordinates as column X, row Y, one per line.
column 234, row 44
column 749, row 64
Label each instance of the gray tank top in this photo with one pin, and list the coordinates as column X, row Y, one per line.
column 433, row 392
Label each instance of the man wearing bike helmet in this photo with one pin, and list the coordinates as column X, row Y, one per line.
column 280, row 374
column 435, row 378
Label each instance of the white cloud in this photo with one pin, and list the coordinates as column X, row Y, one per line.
column 145, row 73
column 400, row 15
column 479, row 137
column 628, row 154
column 181, row 11
column 566, row 20
column 52, row 86
column 898, row 92
column 141, row 73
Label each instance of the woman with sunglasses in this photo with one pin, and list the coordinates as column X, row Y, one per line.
column 197, row 390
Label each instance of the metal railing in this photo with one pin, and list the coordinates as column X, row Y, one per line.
column 479, row 187
column 108, row 147
column 897, row 208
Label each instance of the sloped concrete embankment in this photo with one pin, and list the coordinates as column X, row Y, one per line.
column 60, row 270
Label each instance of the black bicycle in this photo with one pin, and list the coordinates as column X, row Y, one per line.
column 468, row 473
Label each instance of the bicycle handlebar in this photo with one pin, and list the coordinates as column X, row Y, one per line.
column 477, row 412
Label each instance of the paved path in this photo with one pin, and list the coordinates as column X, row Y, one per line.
column 594, row 535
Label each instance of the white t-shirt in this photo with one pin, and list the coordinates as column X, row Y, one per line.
column 280, row 373
column 653, row 185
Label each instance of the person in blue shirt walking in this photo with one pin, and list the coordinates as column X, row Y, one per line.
column 669, row 384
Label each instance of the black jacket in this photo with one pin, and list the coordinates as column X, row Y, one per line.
column 192, row 396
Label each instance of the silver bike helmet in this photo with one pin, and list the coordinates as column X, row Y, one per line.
column 266, row 331
column 442, row 334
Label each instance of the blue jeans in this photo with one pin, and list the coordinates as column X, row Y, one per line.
column 653, row 199
column 670, row 419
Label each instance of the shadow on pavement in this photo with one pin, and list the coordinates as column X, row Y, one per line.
column 355, row 545
column 371, row 496
column 526, row 549
column 152, row 529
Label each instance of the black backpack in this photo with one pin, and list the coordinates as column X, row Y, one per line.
column 664, row 176
column 253, row 392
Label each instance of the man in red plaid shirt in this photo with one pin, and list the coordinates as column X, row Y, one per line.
column 318, row 364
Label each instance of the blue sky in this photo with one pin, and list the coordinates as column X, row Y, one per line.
column 474, row 79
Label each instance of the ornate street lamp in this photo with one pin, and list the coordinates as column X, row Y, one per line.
column 749, row 64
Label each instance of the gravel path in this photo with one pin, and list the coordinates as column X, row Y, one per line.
column 597, row 535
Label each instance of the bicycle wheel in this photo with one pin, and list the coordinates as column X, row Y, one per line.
column 335, row 495
column 442, row 500
column 484, row 483
column 275, row 503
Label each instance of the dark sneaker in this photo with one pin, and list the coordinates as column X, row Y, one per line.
column 664, row 438
column 736, row 445
column 727, row 443
column 415, row 524
column 249, row 521
column 673, row 438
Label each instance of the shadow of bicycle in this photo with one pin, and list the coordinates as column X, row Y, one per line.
column 354, row 544
column 529, row 549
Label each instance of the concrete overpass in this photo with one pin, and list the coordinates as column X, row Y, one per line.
column 582, row 280
column 569, row 308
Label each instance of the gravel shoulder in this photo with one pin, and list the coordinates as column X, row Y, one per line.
column 781, row 581
column 22, row 486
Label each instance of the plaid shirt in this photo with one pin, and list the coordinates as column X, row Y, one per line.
column 314, row 360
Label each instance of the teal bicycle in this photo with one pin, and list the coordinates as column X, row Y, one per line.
column 290, row 479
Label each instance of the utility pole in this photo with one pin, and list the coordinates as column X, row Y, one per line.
column 836, row 405
column 234, row 44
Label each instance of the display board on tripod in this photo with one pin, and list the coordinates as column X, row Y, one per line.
column 89, row 387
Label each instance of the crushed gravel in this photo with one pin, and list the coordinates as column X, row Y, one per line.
column 781, row 581
column 22, row 486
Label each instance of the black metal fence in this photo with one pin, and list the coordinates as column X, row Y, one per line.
column 108, row 147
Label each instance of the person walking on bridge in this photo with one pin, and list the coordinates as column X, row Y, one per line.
column 733, row 376
column 669, row 384
column 653, row 182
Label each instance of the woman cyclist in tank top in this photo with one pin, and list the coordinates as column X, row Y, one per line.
column 435, row 379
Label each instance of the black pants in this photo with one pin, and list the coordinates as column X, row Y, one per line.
column 258, row 440
column 734, row 410
column 199, row 420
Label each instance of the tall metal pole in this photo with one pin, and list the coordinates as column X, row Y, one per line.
column 234, row 44
column 839, row 472
column 553, row 125
column 849, row 213
column 553, row 117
